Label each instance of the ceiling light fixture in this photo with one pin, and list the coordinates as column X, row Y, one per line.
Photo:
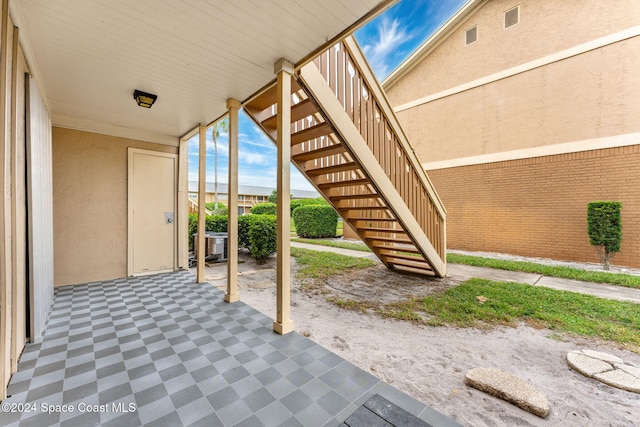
column 144, row 99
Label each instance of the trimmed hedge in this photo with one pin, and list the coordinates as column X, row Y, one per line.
column 604, row 226
column 266, row 208
column 294, row 204
column 315, row 221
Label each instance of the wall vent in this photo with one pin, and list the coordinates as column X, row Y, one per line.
column 471, row 35
column 511, row 17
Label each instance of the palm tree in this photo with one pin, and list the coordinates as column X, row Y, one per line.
column 219, row 128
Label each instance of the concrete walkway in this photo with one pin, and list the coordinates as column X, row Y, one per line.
column 465, row 272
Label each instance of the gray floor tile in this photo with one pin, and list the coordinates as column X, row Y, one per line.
column 182, row 356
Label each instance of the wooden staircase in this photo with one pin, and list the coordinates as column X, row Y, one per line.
column 346, row 139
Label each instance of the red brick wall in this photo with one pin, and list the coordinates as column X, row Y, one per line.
column 538, row 206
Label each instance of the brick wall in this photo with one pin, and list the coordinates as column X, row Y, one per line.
column 538, row 206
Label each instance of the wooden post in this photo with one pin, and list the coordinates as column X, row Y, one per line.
column 283, row 323
column 202, row 198
column 232, row 295
column 183, row 204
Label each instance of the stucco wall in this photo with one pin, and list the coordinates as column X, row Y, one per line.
column 538, row 206
column 545, row 27
column 90, row 204
column 588, row 96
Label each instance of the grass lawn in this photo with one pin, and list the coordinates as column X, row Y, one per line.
column 478, row 303
column 618, row 279
column 319, row 265
column 335, row 244
column 484, row 303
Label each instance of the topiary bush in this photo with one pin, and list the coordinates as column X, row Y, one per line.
column 604, row 226
column 262, row 236
column 266, row 208
column 315, row 221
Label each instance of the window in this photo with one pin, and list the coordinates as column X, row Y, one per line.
column 511, row 17
column 471, row 35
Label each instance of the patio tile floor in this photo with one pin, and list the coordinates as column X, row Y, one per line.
column 162, row 350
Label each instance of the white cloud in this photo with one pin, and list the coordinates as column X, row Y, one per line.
column 253, row 158
column 390, row 36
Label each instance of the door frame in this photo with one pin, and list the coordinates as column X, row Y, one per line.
column 131, row 152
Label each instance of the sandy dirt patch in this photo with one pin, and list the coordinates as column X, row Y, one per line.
column 429, row 363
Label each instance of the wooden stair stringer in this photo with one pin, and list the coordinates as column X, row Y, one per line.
column 316, row 87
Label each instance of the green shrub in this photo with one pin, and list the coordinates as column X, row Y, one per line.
column 262, row 236
column 193, row 228
column 257, row 233
column 244, row 222
column 216, row 223
column 604, row 226
column 266, row 208
column 315, row 221
column 307, row 202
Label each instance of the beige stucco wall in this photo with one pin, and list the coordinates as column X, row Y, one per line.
column 588, row 96
column 90, row 204
column 545, row 27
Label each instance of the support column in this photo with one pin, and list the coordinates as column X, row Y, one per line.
column 233, row 105
column 183, row 204
column 283, row 323
column 202, row 199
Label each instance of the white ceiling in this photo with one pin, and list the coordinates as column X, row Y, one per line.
column 89, row 55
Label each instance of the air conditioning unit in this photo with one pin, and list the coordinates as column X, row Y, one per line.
column 215, row 247
column 217, row 244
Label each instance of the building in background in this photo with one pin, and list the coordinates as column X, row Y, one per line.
column 522, row 112
column 248, row 195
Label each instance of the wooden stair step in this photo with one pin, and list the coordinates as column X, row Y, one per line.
column 383, row 229
column 299, row 111
column 330, row 150
column 365, row 196
column 410, row 249
column 348, row 183
column 331, row 169
column 321, row 129
column 355, row 218
column 412, row 264
column 270, row 96
column 362, row 208
column 402, row 256
column 388, row 239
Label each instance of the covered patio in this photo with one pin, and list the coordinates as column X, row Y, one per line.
column 163, row 350
column 99, row 322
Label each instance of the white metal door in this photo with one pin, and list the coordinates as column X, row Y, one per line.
column 152, row 203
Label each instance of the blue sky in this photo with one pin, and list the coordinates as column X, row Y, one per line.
column 386, row 42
